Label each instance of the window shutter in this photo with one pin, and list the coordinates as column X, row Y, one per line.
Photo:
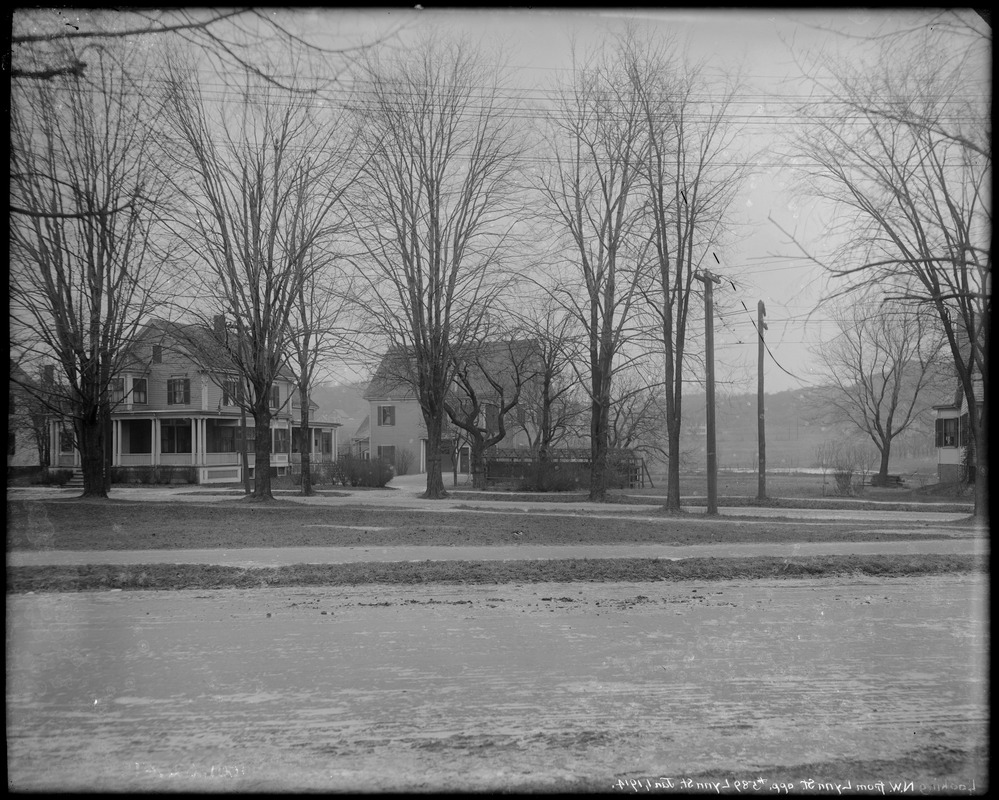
column 187, row 390
column 939, row 432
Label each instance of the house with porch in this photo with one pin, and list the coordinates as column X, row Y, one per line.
column 955, row 449
column 396, row 431
column 175, row 405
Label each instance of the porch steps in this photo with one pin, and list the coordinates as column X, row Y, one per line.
column 76, row 482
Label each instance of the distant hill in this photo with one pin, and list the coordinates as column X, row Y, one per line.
column 344, row 401
column 793, row 433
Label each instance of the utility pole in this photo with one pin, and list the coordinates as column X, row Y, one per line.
column 761, row 493
column 709, row 362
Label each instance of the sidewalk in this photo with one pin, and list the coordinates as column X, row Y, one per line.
column 282, row 556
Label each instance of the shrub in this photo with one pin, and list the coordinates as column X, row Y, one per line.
column 353, row 471
column 57, row 477
column 553, row 476
column 403, row 461
column 844, row 481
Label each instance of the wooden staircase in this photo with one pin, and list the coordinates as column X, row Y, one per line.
column 76, row 482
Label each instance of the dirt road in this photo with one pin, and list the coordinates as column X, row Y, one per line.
column 497, row 687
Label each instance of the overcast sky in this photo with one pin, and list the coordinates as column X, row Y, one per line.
column 764, row 43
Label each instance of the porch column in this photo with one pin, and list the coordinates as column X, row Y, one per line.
column 195, row 426
column 53, row 443
column 115, row 431
column 203, row 443
column 156, row 441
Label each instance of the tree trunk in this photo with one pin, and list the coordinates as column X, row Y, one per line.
column 244, row 454
column 91, row 440
column 262, row 452
column 882, row 479
column 598, row 451
column 673, row 467
column 305, row 444
column 435, row 478
column 478, row 464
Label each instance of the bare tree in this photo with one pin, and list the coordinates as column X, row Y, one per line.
column 488, row 380
column 636, row 418
column 434, row 208
column 85, row 271
column 902, row 150
column 591, row 192
column 880, row 364
column 319, row 330
column 56, row 42
column 689, row 184
column 550, row 409
column 260, row 174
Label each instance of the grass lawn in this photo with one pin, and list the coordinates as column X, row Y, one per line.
column 76, row 524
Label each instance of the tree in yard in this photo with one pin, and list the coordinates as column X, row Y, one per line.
column 636, row 418
column 550, row 410
column 433, row 210
column 591, row 195
column 689, row 183
column 260, row 175
column 902, row 152
column 85, row 269
column 880, row 365
column 488, row 380
column 319, row 329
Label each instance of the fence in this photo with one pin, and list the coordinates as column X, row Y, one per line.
column 516, row 465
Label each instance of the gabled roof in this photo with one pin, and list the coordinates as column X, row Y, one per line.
column 363, row 430
column 391, row 379
column 194, row 340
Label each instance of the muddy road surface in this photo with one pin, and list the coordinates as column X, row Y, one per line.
column 543, row 686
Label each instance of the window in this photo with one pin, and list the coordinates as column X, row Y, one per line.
column 280, row 440
column 178, row 391
column 175, row 436
column 139, row 390
column 232, row 392
column 947, row 432
column 386, row 453
column 221, row 438
column 157, row 354
column 137, row 436
column 67, row 441
column 386, row 415
column 275, row 396
column 117, row 390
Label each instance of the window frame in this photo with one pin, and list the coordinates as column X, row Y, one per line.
column 181, row 387
column 136, row 393
column 232, row 392
column 386, row 412
column 169, row 436
column 280, row 443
